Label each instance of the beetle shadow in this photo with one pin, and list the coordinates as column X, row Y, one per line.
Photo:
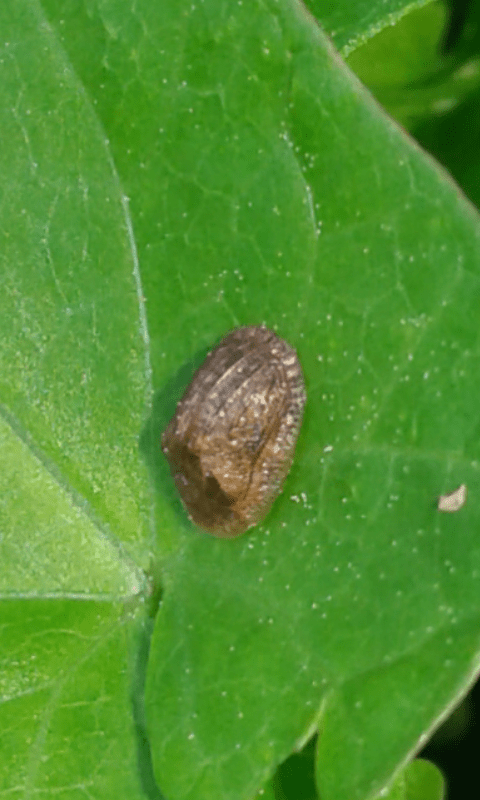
column 163, row 408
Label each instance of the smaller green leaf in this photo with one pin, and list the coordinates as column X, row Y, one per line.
column 406, row 52
column 352, row 23
column 410, row 74
column 424, row 781
column 420, row 780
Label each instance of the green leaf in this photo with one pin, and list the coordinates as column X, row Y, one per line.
column 431, row 90
column 410, row 73
column 50, row 544
column 366, row 709
column 170, row 172
column 423, row 781
column 74, row 367
column 351, row 24
column 420, row 780
column 276, row 627
column 67, row 727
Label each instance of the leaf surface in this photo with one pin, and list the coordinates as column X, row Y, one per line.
column 171, row 172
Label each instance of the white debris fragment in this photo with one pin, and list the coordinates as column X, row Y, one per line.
column 453, row 501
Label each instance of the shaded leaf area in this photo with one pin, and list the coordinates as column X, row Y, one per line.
column 295, row 778
column 351, row 24
column 454, row 138
column 263, row 185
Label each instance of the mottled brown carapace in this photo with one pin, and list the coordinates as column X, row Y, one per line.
column 232, row 439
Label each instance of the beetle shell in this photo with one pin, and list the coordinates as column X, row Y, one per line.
column 231, row 441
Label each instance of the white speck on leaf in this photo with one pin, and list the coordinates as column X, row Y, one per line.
column 453, row 501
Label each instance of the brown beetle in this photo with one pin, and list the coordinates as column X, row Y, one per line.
column 231, row 441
